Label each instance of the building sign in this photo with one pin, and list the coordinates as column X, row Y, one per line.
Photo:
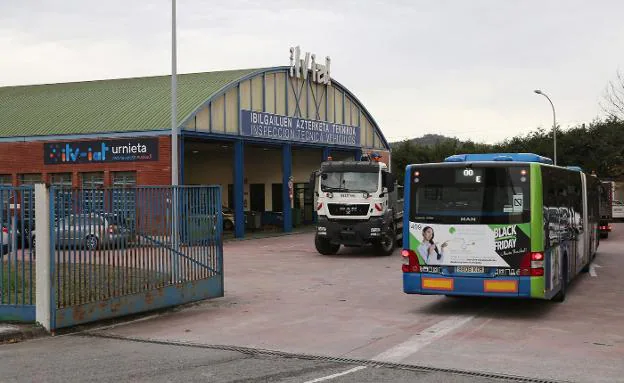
column 102, row 151
column 273, row 126
column 299, row 67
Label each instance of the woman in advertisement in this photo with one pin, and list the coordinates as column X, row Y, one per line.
column 428, row 250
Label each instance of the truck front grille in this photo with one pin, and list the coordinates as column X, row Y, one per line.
column 348, row 209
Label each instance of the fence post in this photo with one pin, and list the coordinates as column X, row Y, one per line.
column 43, row 269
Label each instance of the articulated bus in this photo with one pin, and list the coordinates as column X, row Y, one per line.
column 499, row 224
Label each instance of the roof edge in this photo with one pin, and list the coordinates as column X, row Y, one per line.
column 232, row 84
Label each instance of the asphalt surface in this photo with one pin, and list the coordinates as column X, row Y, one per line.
column 346, row 311
column 90, row 359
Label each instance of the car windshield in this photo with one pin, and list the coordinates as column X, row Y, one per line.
column 349, row 181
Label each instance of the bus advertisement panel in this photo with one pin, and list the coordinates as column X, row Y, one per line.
column 470, row 245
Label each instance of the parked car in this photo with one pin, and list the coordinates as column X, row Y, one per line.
column 12, row 235
column 90, row 231
column 228, row 218
column 618, row 209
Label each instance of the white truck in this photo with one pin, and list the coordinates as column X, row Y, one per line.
column 357, row 203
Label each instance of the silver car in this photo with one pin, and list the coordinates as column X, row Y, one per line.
column 90, row 232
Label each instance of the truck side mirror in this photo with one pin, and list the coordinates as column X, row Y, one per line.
column 390, row 181
column 312, row 183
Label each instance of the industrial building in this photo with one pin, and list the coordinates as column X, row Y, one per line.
column 258, row 133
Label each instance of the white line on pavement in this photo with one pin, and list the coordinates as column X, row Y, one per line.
column 592, row 269
column 422, row 339
column 328, row 377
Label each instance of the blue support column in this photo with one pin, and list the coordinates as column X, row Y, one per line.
column 286, row 177
column 358, row 154
column 326, row 153
column 239, row 176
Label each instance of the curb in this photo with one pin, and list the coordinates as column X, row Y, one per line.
column 22, row 334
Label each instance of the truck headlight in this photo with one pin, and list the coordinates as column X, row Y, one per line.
column 322, row 228
column 375, row 230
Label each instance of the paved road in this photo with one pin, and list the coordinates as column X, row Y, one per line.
column 88, row 359
column 282, row 295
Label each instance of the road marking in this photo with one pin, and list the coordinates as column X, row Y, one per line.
column 328, row 377
column 592, row 269
column 422, row 339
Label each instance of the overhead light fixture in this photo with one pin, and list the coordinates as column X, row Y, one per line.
column 225, row 146
column 195, row 151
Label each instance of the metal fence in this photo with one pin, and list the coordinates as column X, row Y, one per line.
column 124, row 250
column 17, row 255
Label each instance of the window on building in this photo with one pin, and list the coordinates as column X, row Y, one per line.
column 124, row 179
column 124, row 193
column 63, row 180
column 5, row 181
column 93, row 191
column 28, row 180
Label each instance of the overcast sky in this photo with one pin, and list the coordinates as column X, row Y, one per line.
column 463, row 68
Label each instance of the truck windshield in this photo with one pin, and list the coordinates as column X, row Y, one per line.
column 487, row 195
column 349, row 181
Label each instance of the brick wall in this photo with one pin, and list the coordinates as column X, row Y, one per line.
column 27, row 157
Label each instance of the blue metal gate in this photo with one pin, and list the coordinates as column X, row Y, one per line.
column 17, row 255
column 126, row 250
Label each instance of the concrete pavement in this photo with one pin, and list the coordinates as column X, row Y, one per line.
column 282, row 295
column 88, row 359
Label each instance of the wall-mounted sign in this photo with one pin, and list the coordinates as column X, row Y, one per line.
column 299, row 67
column 101, row 151
column 273, row 126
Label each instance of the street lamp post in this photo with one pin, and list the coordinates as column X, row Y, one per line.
column 174, row 103
column 175, row 178
column 554, row 123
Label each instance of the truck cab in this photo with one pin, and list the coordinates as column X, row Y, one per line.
column 357, row 204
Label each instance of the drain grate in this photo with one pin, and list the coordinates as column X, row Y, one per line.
column 363, row 362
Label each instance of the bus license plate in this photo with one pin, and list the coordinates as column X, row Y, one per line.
column 470, row 269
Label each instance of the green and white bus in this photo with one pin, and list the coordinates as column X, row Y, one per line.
column 499, row 224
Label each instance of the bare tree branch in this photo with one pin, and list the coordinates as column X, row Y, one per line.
column 613, row 99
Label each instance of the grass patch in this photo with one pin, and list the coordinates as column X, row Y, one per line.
column 16, row 283
column 78, row 283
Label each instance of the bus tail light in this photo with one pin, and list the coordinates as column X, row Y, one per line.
column 532, row 264
column 320, row 206
column 410, row 261
column 379, row 207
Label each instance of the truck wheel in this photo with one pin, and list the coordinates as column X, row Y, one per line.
column 386, row 244
column 323, row 246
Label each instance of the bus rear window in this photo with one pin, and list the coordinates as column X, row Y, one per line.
column 494, row 195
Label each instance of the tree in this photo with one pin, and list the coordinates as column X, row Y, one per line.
column 613, row 99
column 598, row 146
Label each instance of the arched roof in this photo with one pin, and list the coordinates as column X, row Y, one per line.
column 126, row 105
column 261, row 71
